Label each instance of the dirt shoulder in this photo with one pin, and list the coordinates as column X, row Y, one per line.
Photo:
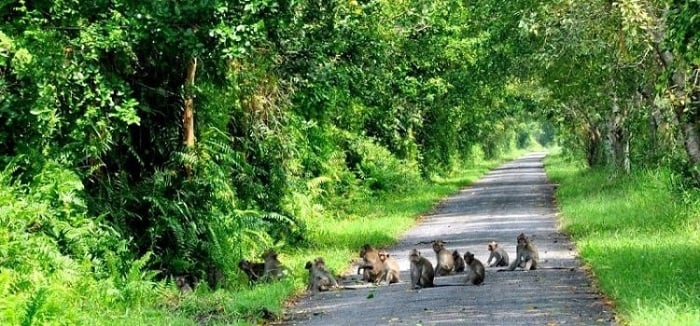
column 511, row 199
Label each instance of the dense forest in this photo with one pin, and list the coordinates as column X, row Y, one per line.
column 144, row 140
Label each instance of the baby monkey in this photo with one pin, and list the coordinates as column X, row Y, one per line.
column 390, row 268
column 498, row 255
column 459, row 262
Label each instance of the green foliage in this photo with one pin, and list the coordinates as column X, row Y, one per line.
column 379, row 169
column 55, row 261
column 546, row 136
column 684, row 24
column 35, row 303
column 626, row 224
column 306, row 113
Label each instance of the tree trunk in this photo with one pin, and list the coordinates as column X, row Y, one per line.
column 188, row 116
column 594, row 146
column 618, row 136
column 692, row 142
column 691, row 118
column 685, row 114
column 644, row 99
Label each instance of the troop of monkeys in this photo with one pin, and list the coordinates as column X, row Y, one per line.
column 378, row 266
column 423, row 273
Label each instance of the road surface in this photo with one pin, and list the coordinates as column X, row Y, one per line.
column 516, row 197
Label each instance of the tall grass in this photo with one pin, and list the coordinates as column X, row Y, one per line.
column 639, row 234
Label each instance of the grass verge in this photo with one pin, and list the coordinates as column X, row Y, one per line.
column 639, row 235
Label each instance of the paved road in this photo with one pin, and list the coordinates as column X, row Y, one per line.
column 513, row 198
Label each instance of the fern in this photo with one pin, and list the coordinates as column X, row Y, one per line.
column 137, row 285
column 36, row 301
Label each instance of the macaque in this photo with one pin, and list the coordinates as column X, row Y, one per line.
column 459, row 262
column 422, row 272
column 445, row 263
column 183, row 284
column 253, row 270
column 498, row 255
column 215, row 277
column 476, row 269
column 273, row 269
column 526, row 254
column 320, row 279
column 371, row 264
column 390, row 268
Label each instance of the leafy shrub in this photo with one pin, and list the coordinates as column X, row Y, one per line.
column 379, row 169
column 55, row 260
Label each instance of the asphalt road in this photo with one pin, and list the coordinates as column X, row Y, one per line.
column 514, row 198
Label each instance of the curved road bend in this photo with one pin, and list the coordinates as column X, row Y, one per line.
column 514, row 198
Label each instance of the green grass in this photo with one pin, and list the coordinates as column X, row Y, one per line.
column 639, row 236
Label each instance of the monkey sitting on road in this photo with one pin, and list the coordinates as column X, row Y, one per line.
column 422, row 272
column 371, row 264
column 459, row 262
column 498, row 255
column 320, row 279
column 526, row 254
column 476, row 269
column 390, row 268
column 445, row 263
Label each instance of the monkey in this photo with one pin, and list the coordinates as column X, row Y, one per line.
column 320, row 279
column 445, row 263
column 390, row 268
column 253, row 270
column 526, row 254
column 215, row 277
column 183, row 284
column 273, row 269
column 372, row 265
column 422, row 272
column 476, row 269
column 498, row 254
column 459, row 262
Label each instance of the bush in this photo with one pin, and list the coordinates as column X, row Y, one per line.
column 379, row 169
column 55, row 260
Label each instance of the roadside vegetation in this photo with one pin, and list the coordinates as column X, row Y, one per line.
column 640, row 235
column 73, row 293
column 144, row 142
